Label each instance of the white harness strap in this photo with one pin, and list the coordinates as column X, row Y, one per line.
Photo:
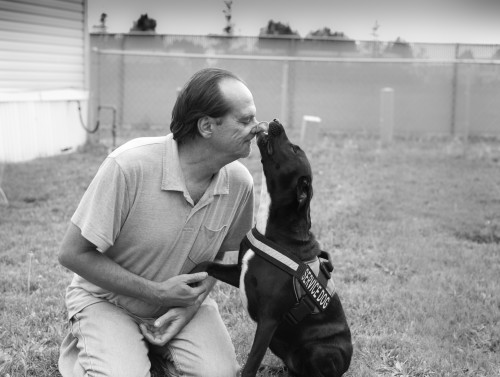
column 272, row 252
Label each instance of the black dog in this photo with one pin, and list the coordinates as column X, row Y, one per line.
column 298, row 316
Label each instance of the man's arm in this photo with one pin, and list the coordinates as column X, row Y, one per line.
column 82, row 257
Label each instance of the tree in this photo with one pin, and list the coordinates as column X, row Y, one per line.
column 339, row 41
column 400, row 48
column 144, row 23
column 467, row 54
column 101, row 28
column 229, row 29
column 326, row 32
column 277, row 28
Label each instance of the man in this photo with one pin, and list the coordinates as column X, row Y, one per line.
column 156, row 208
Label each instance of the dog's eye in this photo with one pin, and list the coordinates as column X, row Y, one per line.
column 295, row 148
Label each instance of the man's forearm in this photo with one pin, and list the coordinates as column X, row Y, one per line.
column 82, row 257
column 98, row 269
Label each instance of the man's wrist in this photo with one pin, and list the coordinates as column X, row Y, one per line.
column 152, row 293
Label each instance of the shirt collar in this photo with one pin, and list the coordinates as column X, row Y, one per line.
column 173, row 178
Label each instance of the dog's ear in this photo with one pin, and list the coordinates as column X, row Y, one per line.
column 304, row 192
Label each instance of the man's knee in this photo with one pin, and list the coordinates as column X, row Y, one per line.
column 211, row 369
column 204, row 347
column 127, row 370
column 104, row 341
column 77, row 363
column 181, row 363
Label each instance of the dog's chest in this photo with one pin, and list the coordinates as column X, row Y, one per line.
column 249, row 254
column 264, row 206
column 261, row 224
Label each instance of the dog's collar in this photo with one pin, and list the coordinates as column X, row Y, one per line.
column 318, row 287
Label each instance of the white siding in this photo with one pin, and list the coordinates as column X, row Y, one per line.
column 43, row 77
column 42, row 45
column 42, row 128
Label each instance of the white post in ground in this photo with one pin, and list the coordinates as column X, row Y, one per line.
column 309, row 132
column 386, row 115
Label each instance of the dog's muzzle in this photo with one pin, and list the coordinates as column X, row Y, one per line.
column 275, row 129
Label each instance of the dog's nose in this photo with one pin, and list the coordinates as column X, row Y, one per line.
column 275, row 128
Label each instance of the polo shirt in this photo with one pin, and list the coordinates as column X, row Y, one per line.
column 139, row 213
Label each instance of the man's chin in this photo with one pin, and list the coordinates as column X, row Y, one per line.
column 245, row 155
column 248, row 149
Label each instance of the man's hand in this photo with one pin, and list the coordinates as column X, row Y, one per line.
column 181, row 290
column 168, row 325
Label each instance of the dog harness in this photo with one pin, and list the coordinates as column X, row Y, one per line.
column 312, row 281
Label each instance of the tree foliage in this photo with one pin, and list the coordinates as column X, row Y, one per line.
column 399, row 48
column 229, row 28
column 101, row 27
column 144, row 23
column 277, row 28
column 327, row 32
column 467, row 54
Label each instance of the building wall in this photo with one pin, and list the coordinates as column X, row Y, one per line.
column 43, row 77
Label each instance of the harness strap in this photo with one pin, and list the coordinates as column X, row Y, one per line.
column 274, row 253
column 317, row 297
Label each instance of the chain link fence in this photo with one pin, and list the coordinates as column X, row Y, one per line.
column 451, row 90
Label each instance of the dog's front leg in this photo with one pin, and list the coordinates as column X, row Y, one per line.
column 227, row 273
column 263, row 335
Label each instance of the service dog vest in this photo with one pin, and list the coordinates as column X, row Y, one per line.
column 313, row 285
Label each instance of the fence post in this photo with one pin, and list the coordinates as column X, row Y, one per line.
column 454, row 84
column 285, row 92
column 121, row 85
column 468, row 83
column 95, row 86
column 386, row 115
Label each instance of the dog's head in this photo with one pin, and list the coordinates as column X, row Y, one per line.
column 287, row 170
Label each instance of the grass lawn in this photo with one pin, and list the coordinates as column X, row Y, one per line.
column 414, row 231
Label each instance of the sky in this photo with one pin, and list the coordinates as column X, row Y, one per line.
column 429, row 21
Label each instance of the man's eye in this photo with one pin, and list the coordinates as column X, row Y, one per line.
column 247, row 121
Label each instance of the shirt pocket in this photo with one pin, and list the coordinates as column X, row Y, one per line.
column 207, row 244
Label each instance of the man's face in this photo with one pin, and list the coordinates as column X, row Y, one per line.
column 234, row 134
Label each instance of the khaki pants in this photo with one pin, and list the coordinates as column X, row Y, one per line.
column 106, row 341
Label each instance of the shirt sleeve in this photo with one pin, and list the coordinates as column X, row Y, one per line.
column 104, row 206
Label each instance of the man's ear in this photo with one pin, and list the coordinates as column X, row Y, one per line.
column 205, row 126
column 304, row 191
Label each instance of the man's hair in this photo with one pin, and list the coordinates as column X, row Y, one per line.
column 200, row 97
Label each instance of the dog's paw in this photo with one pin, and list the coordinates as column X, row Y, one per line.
column 328, row 261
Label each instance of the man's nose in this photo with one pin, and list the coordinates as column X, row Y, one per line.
column 260, row 127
